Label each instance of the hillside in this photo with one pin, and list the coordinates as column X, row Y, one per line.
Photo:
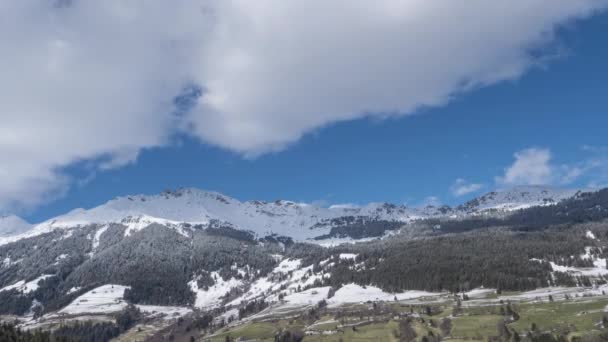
column 193, row 257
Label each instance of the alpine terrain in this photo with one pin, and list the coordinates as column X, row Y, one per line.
column 197, row 265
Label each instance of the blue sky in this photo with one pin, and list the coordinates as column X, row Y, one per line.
column 562, row 107
column 300, row 109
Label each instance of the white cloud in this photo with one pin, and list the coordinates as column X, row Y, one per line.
column 531, row 167
column 461, row 187
column 94, row 80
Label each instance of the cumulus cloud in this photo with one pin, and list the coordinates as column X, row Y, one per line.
column 461, row 187
column 95, row 80
column 534, row 166
column 531, row 167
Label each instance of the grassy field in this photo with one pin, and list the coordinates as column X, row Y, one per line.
column 138, row 333
column 575, row 317
column 581, row 316
column 475, row 326
column 261, row 331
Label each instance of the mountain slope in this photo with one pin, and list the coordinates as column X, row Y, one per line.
column 299, row 221
column 155, row 261
column 519, row 197
column 185, row 208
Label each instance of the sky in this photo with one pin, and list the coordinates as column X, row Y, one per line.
column 327, row 102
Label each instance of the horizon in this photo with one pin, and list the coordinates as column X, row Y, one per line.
column 324, row 205
column 518, row 107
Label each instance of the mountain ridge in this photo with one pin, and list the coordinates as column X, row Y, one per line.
column 300, row 221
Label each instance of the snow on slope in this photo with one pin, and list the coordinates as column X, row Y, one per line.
column 166, row 312
column 299, row 221
column 519, row 197
column 26, row 287
column 212, row 297
column 597, row 270
column 195, row 206
column 109, row 299
column 103, row 299
column 13, row 225
column 353, row 293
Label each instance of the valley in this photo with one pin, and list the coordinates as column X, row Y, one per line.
column 526, row 264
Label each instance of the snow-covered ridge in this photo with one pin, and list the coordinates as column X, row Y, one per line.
column 300, row 221
column 520, row 197
column 194, row 206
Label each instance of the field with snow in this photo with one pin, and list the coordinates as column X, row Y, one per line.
column 104, row 299
column 578, row 314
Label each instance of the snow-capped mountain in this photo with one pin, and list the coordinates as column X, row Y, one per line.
column 188, row 248
column 519, row 197
column 13, row 225
column 300, row 221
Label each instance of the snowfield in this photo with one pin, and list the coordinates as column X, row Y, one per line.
column 212, row 297
column 479, row 293
column 26, row 287
column 300, row 221
column 584, row 271
column 108, row 299
column 287, row 265
column 348, row 256
column 101, row 300
column 598, row 269
column 353, row 293
column 195, row 206
column 308, row 297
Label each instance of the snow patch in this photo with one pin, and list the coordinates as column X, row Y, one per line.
column 353, row 293
column 308, row 297
column 103, row 299
column 211, row 298
column 73, row 289
column 479, row 292
column 98, row 235
column 135, row 224
column 287, row 265
column 165, row 312
column 348, row 256
column 584, row 271
column 26, row 287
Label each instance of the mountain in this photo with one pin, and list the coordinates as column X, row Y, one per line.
column 13, row 225
column 179, row 251
column 299, row 221
column 183, row 208
column 519, row 197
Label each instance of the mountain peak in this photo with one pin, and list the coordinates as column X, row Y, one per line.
column 519, row 197
column 299, row 221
